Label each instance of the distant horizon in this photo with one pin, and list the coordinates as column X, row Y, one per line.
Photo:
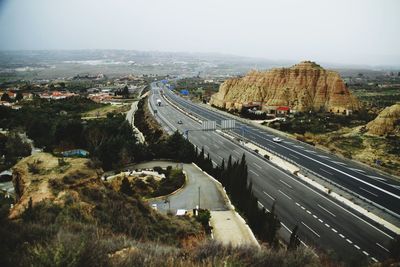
column 348, row 32
column 276, row 61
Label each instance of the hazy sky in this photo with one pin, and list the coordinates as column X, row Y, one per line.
column 339, row 31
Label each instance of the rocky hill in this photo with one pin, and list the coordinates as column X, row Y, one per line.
column 305, row 86
column 387, row 122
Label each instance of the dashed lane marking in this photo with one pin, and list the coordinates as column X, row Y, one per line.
column 326, row 171
column 338, row 162
column 342, row 236
column 268, row 195
column 293, row 156
column 382, row 247
column 357, row 247
column 288, row 185
column 253, row 172
column 258, row 166
column 349, row 241
column 326, row 210
column 309, row 228
column 327, row 225
column 369, row 192
column 284, row 194
column 334, row 230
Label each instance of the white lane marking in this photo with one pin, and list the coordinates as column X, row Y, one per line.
column 288, row 185
column 334, row 230
column 326, row 210
column 315, row 216
column 290, row 232
column 321, row 221
column 366, row 253
column 368, row 191
column 326, row 171
column 342, row 236
column 357, row 247
column 272, row 145
column 314, row 191
column 219, row 156
column 323, row 156
column 338, row 162
column 215, row 164
column 234, row 151
column 376, row 177
column 220, row 142
column 382, row 247
column 357, row 170
column 258, row 166
column 327, row 225
column 284, row 194
column 310, row 151
column 206, row 147
column 299, row 146
column 269, row 195
column 260, row 204
column 253, row 172
column 375, row 260
column 293, row 156
column 303, row 208
column 217, row 147
column 349, row 241
column 342, row 172
column 309, row 228
column 298, row 204
column 309, row 212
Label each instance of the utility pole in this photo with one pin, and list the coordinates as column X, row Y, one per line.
column 199, row 197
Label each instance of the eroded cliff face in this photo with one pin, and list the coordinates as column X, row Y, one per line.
column 305, row 86
column 387, row 122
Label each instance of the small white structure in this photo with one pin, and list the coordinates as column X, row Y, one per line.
column 181, row 212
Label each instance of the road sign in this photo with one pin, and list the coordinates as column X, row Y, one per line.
column 209, row 125
column 227, row 124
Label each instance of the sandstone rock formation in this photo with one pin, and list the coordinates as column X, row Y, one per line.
column 387, row 122
column 305, row 86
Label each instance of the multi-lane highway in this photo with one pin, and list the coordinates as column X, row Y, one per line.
column 376, row 188
column 323, row 223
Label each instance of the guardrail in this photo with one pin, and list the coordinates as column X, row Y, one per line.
column 308, row 171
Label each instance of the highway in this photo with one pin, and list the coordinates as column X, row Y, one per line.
column 323, row 223
column 374, row 187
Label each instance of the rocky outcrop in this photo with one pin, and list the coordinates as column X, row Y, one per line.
column 36, row 176
column 387, row 122
column 305, row 86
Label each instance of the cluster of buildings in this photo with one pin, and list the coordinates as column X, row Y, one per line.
column 258, row 108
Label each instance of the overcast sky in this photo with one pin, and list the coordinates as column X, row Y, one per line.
column 339, row 31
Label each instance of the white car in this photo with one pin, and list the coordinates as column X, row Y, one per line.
column 277, row 139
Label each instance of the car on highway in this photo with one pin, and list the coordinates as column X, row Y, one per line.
column 277, row 140
column 180, row 122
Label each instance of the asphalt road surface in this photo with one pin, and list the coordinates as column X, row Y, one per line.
column 323, row 222
column 188, row 197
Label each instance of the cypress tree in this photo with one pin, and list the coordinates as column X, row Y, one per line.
column 294, row 241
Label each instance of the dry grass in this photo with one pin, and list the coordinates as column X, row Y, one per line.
column 103, row 111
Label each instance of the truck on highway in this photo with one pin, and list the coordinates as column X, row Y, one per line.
column 159, row 102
